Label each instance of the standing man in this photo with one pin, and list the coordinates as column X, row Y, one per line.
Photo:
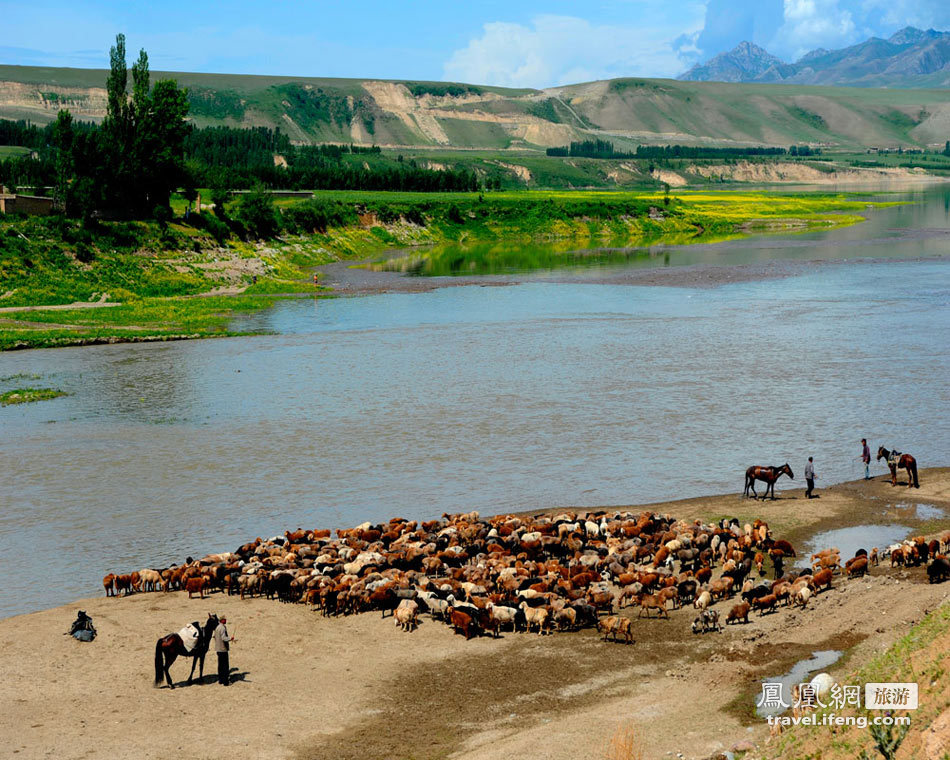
column 809, row 478
column 866, row 458
column 222, row 641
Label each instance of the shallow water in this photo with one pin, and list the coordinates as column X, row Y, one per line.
column 493, row 399
column 915, row 510
column 801, row 672
column 850, row 539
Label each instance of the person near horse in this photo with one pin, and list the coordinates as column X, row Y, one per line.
column 222, row 640
column 82, row 628
column 866, row 458
column 810, row 478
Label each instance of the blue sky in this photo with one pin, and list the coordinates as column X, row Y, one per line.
column 516, row 43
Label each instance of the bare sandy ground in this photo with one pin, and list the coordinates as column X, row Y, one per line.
column 311, row 687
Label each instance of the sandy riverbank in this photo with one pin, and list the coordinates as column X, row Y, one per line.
column 355, row 687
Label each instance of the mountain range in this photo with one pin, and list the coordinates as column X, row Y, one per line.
column 910, row 58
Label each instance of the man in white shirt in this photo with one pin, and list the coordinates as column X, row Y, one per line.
column 809, row 478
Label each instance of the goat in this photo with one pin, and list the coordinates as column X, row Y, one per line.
column 708, row 620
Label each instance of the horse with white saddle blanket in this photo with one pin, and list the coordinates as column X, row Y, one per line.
column 191, row 641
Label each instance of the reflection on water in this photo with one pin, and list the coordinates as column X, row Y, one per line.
column 493, row 399
column 929, row 210
column 849, row 540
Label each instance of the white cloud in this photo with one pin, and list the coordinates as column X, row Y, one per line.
column 811, row 24
column 556, row 50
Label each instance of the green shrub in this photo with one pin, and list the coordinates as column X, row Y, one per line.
column 256, row 210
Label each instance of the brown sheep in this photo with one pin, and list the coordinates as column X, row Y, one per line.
column 739, row 612
column 652, row 602
column 193, row 585
column 857, row 567
column 821, row 579
column 765, row 603
column 108, row 583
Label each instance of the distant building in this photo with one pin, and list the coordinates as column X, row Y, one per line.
column 17, row 203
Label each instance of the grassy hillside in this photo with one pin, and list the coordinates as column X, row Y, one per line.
column 919, row 657
column 454, row 115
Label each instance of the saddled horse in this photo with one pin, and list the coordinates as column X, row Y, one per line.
column 769, row 475
column 171, row 647
column 896, row 460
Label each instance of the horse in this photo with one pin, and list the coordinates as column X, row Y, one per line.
column 769, row 475
column 896, row 460
column 171, row 647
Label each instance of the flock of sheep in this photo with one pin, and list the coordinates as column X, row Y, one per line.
column 540, row 573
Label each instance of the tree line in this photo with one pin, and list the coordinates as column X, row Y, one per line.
column 145, row 148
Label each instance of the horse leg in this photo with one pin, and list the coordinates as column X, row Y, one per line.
column 169, row 659
column 194, row 661
column 201, row 667
column 752, row 488
column 893, row 469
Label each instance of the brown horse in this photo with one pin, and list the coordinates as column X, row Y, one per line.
column 171, row 647
column 769, row 475
column 896, row 460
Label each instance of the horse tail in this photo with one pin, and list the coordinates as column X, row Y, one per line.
column 159, row 663
column 913, row 470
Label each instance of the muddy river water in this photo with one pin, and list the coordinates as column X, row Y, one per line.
column 496, row 399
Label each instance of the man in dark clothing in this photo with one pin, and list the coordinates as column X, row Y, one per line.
column 809, row 478
column 82, row 628
column 222, row 641
column 866, row 458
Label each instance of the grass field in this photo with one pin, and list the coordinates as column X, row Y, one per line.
column 12, row 151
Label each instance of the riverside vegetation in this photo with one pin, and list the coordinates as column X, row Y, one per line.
column 127, row 259
column 134, row 279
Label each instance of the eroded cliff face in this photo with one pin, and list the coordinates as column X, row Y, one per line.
column 626, row 111
column 41, row 102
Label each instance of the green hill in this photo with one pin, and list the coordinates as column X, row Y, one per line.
column 463, row 116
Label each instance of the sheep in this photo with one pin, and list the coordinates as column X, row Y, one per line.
column 803, row 595
column 565, row 618
column 739, row 612
column 821, row 579
column 702, row 601
column 534, row 616
column 652, row 602
column 938, row 570
column 856, row 567
column 501, row 616
column 765, row 603
column 461, row 623
column 406, row 615
column 613, row 625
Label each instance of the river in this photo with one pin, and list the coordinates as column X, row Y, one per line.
column 490, row 398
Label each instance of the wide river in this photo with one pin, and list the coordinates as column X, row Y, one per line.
column 489, row 398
